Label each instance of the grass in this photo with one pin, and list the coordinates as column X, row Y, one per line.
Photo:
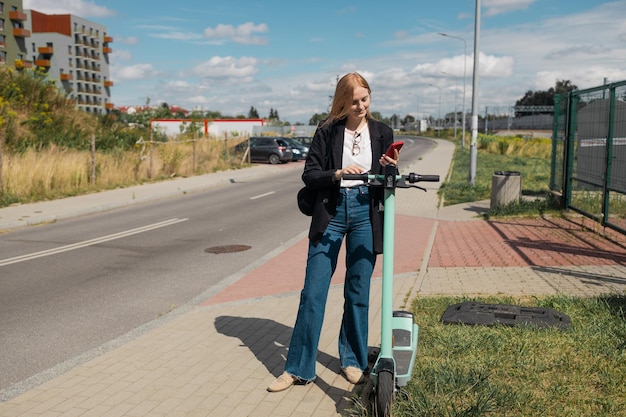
column 529, row 157
column 467, row 371
column 463, row 371
column 57, row 172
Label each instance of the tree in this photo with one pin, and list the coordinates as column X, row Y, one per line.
column 164, row 112
column 545, row 98
column 317, row 118
column 210, row 114
column 273, row 115
column 377, row 115
column 253, row 113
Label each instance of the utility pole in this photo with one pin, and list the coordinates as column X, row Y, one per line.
column 439, row 111
column 456, row 115
column 464, row 75
column 474, row 139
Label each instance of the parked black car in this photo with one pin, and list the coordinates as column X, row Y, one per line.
column 298, row 150
column 305, row 140
column 267, row 149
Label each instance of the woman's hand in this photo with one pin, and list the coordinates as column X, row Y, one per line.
column 352, row 169
column 385, row 160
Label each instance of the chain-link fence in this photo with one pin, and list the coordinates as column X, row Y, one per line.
column 589, row 153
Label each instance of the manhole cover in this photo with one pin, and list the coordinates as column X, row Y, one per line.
column 227, row 249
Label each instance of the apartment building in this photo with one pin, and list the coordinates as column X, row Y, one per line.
column 75, row 52
column 13, row 35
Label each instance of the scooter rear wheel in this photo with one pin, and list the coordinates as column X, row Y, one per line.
column 384, row 394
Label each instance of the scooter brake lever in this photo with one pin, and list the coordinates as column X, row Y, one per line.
column 412, row 186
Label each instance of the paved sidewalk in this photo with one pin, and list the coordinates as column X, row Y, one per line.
column 216, row 358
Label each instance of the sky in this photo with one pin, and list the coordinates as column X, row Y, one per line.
column 232, row 55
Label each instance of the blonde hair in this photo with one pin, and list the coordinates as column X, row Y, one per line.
column 344, row 95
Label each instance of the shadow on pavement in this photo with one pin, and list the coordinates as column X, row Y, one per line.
column 268, row 340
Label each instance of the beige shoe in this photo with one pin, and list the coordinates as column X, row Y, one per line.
column 353, row 375
column 282, row 383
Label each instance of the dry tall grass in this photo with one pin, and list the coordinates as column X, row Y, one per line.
column 56, row 172
column 536, row 147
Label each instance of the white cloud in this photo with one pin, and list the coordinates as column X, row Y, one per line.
column 121, row 55
column 82, row 8
column 242, row 34
column 198, row 100
column 495, row 7
column 490, row 66
column 133, row 72
column 131, row 40
column 177, row 35
column 225, row 69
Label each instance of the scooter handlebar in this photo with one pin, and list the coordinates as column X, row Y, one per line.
column 411, row 178
column 362, row 177
column 422, row 178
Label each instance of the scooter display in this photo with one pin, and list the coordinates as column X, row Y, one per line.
column 399, row 332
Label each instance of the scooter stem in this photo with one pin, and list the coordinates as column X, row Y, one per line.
column 386, row 344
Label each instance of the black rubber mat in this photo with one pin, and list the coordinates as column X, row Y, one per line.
column 510, row 315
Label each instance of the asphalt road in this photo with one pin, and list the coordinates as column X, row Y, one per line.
column 76, row 285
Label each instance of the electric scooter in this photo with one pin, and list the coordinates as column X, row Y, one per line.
column 394, row 365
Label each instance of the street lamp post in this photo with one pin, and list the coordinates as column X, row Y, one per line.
column 475, row 75
column 464, row 75
column 439, row 110
column 417, row 113
column 455, row 94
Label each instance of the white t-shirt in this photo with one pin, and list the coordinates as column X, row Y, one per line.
column 357, row 150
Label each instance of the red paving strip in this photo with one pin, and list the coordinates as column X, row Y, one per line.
column 473, row 243
column 524, row 242
column 285, row 272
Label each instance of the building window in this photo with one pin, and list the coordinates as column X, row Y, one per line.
column 3, row 57
column 1, row 8
column 1, row 24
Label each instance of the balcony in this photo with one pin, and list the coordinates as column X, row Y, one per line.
column 17, row 15
column 109, row 106
column 108, row 39
column 106, row 50
column 108, row 83
column 66, row 77
column 45, row 63
column 46, row 50
column 20, row 64
column 21, row 33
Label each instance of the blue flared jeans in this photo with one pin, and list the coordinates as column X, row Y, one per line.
column 351, row 221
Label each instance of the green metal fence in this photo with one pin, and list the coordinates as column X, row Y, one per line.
column 589, row 153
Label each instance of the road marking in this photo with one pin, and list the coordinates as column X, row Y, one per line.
column 262, row 195
column 90, row 242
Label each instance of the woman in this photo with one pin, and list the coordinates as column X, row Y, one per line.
column 348, row 142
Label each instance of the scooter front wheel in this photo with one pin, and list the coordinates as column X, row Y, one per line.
column 384, row 394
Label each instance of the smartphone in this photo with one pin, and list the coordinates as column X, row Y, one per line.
column 390, row 150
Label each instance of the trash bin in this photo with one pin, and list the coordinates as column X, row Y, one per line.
column 506, row 188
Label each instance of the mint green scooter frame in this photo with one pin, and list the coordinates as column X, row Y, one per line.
column 399, row 333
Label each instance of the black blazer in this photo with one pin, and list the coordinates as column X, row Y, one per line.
column 318, row 175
